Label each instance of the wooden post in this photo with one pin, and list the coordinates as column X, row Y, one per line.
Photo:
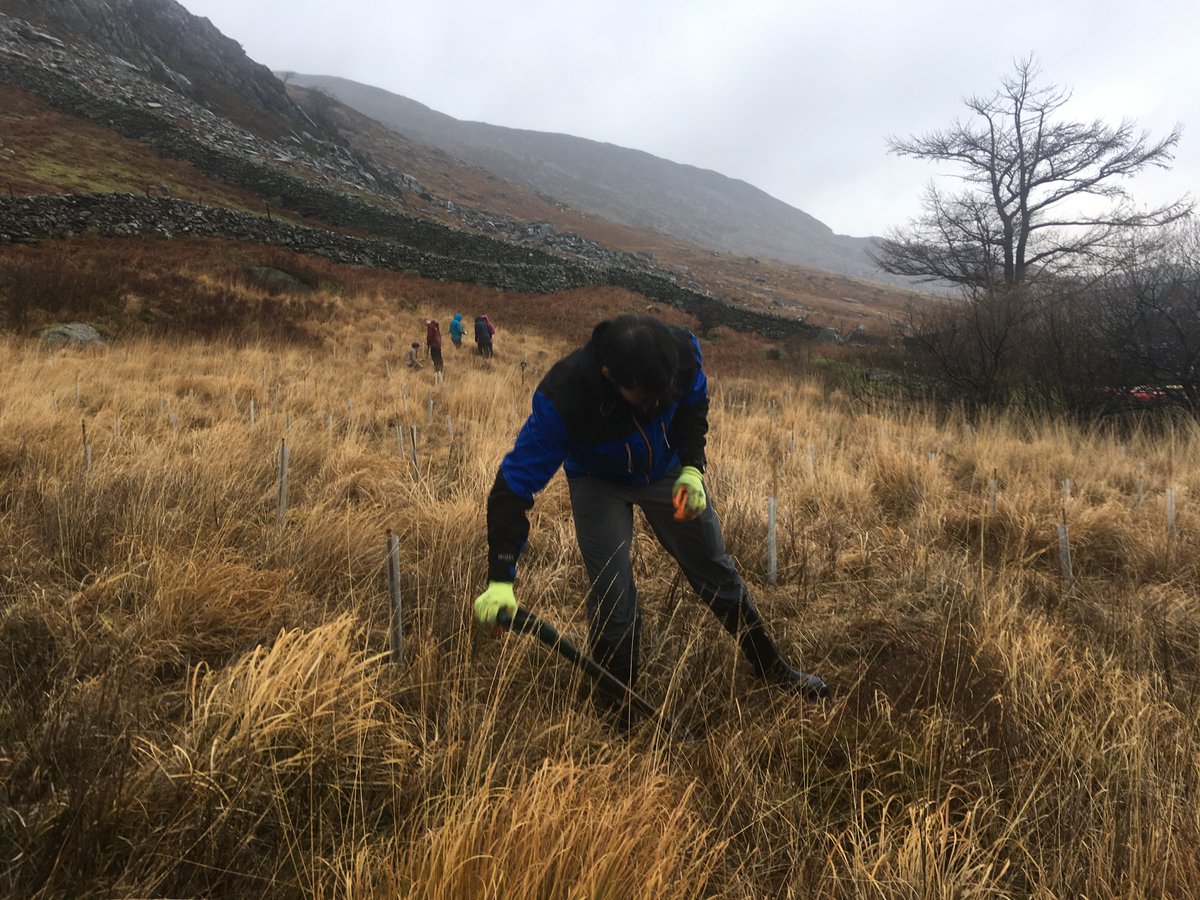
column 412, row 432
column 87, row 448
column 396, row 632
column 1141, row 488
column 281, row 510
column 992, row 494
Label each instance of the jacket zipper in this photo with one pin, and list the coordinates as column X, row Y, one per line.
column 649, row 450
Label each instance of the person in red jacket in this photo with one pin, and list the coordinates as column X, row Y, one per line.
column 484, row 329
column 433, row 340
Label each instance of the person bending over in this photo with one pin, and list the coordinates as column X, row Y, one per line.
column 626, row 416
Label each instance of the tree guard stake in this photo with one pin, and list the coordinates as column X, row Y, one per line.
column 396, row 632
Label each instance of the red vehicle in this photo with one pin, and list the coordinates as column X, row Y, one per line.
column 1148, row 396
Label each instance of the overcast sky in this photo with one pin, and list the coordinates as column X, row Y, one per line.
column 796, row 97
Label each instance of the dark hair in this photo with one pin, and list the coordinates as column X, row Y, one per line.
column 640, row 352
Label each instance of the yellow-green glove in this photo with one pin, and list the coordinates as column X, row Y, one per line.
column 688, row 494
column 498, row 596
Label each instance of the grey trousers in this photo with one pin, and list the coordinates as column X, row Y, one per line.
column 603, row 513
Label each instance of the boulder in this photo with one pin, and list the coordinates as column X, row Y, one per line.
column 275, row 278
column 71, row 333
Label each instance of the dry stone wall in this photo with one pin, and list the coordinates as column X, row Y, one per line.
column 50, row 216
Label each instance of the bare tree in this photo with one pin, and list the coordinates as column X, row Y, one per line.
column 1041, row 195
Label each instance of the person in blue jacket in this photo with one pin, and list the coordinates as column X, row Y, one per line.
column 456, row 331
column 626, row 416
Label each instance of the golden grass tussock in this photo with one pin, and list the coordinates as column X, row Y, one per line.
column 564, row 830
column 205, row 608
column 294, row 743
column 197, row 696
column 922, row 850
column 308, row 700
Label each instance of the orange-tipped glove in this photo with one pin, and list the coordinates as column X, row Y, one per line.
column 498, row 596
column 688, row 494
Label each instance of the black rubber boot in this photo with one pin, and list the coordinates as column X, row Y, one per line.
column 620, row 658
column 741, row 618
column 768, row 664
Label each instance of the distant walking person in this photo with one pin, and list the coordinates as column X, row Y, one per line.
column 433, row 340
column 456, row 331
column 484, row 329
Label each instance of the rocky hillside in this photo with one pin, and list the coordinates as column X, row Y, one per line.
column 179, row 50
column 301, row 163
column 349, row 196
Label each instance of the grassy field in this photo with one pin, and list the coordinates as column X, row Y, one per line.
column 197, row 699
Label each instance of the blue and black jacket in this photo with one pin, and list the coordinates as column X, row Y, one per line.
column 580, row 422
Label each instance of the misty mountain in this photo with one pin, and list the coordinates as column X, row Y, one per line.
column 627, row 186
